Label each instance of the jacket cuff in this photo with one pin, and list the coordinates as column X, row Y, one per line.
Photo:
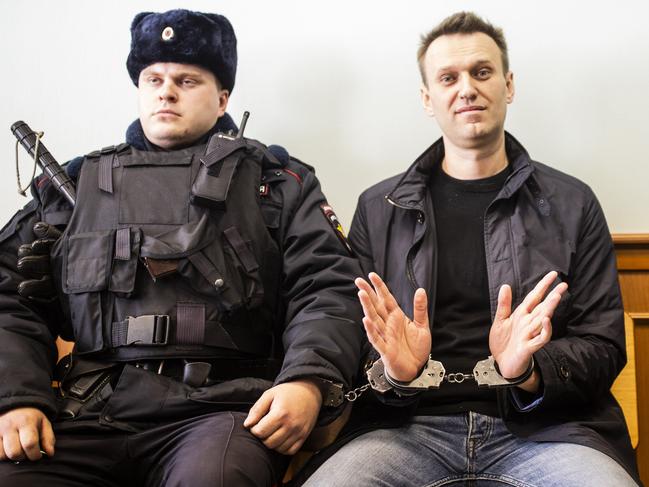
column 555, row 375
column 47, row 405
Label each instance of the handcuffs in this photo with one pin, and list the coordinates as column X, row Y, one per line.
column 485, row 373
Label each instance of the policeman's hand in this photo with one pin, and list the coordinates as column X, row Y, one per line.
column 23, row 433
column 284, row 415
column 514, row 337
column 34, row 264
column 404, row 344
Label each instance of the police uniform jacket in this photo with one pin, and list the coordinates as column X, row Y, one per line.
column 541, row 220
column 298, row 309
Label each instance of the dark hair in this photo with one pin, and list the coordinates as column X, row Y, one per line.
column 462, row 23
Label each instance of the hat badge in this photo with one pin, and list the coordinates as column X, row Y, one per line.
column 168, row 34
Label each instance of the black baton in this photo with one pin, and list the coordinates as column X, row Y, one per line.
column 52, row 169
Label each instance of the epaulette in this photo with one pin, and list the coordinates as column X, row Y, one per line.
column 282, row 155
column 303, row 164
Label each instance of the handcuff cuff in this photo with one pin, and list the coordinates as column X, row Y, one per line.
column 485, row 373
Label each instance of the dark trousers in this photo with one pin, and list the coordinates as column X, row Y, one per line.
column 210, row 450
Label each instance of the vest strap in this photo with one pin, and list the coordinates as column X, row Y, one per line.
column 190, row 323
column 156, row 330
column 207, row 270
column 105, row 173
column 123, row 244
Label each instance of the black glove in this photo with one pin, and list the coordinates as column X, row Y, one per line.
column 34, row 264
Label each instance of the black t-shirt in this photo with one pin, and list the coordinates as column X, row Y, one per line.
column 462, row 311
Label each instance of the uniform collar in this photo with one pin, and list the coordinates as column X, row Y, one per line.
column 410, row 190
column 136, row 138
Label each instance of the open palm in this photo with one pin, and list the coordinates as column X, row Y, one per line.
column 404, row 344
column 514, row 337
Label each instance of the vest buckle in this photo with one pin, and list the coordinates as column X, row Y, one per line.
column 148, row 330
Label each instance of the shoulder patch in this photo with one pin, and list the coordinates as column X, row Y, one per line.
column 331, row 217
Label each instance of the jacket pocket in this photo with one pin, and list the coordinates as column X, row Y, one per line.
column 143, row 396
column 87, row 261
column 271, row 213
column 243, row 391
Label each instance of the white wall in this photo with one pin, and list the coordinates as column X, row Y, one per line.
column 336, row 83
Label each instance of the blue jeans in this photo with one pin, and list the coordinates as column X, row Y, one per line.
column 464, row 449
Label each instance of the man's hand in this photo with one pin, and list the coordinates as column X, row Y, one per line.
column 514, row 337
column 404, row 344
column 284, row 415
column 24, row 432
column 34, row 264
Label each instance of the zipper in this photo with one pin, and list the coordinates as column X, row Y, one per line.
column 410, row 273
column 394, row 203
column 488, row 262
column 516, row 285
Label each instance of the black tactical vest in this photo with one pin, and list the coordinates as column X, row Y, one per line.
column 167, row 254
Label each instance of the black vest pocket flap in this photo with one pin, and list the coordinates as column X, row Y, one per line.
column 87, row 263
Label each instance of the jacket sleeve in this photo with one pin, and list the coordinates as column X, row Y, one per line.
column 27, row 342
column 580, row 366
column 359, row 238
column 361, row 242
column 323, row 333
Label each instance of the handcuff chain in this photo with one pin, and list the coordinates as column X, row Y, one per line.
column 354, row 394
column 23, row 191
column 457, row 377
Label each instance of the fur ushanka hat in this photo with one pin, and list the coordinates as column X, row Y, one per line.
column 183, row 36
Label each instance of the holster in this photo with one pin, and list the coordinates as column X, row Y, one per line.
column 84, row 386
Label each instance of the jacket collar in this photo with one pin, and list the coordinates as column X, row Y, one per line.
column 136, row 138
column 410, row 190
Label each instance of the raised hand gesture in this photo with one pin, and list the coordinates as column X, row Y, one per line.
column 514, row 337
column 404, row 343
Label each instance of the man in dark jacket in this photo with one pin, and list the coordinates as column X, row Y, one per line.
column 471, row 231
column 203, row 280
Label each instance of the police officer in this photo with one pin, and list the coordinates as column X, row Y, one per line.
column 205, row 284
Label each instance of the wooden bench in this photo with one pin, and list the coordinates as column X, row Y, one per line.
column 624, row 387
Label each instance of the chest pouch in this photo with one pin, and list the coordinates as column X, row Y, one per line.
column 96, row 267
column 214, row 178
